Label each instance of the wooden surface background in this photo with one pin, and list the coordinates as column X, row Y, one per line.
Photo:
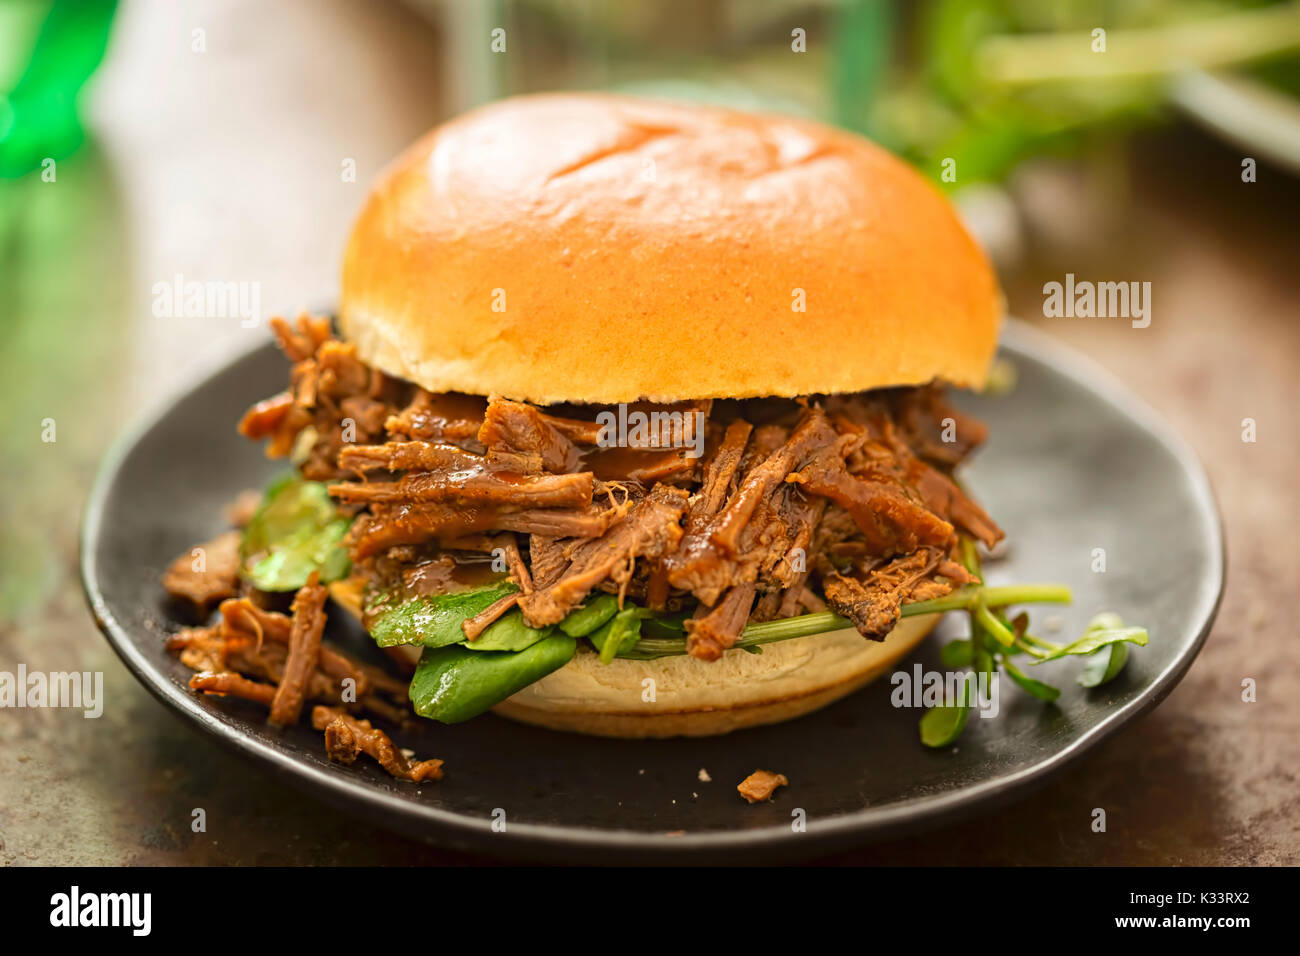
column 226, row 165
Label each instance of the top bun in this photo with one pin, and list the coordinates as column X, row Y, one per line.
column 601, row 248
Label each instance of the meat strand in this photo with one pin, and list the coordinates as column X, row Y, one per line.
column 279, row 661
column 649, row 529
column 205, row 574
column 875, row 601
column 714, row 629
column 308, row 624
column 346, row 736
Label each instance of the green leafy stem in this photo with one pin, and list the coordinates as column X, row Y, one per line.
column 995, row 640
column 769, row 632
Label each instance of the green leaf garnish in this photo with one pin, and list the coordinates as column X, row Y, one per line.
column 995, row 639
column 591, row 616
column 1095, row 639
column 1104, row 666
column 1036, row 687
column 297, row 529
column 435, row 620
column 665, row 624
column 508, row 633
column 620, row 634
column 941, row 725
column 957, row 654
column 453, row 683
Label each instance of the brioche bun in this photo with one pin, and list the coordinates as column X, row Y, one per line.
column 695, row 698
column 601, row 248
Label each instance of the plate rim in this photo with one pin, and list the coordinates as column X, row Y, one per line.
column 449, row 828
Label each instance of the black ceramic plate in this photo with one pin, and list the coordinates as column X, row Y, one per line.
column 1074, row 463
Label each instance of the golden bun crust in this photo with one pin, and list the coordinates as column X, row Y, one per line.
column 602, row 248
column 696, row 698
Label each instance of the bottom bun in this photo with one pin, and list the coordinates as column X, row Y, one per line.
column 693, row 698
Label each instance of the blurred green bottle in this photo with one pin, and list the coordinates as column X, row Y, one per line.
column 47, row 52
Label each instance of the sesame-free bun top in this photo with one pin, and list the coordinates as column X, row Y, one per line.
column 602, row 248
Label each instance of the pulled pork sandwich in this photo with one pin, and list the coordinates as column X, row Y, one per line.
column 636, row 425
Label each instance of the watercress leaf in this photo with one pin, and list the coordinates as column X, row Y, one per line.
column 941, row 725
column 1024, row 681
column 508, row 633
column 1104, row 665
column 297, row 529
column 620, row 634
column 589, row 617
column 453, row 683
column 665, row 625
column 434, row 620
column 1094, row 639
column 1106, row 620
column 957, row 654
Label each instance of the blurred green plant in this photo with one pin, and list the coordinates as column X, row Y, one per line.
column 989, row 83
column 38, row 113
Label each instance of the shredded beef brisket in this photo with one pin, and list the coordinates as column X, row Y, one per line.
column 519, row 428
column 714, row 629
column 447, row 417
column 346, row 736
column 305, row 630
column 281, row 662
column 478, row 484
column 846, row 501
column 872, row 600
column 333, row 399
column 649, row 529
column 205, row 574
column 399, row 523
